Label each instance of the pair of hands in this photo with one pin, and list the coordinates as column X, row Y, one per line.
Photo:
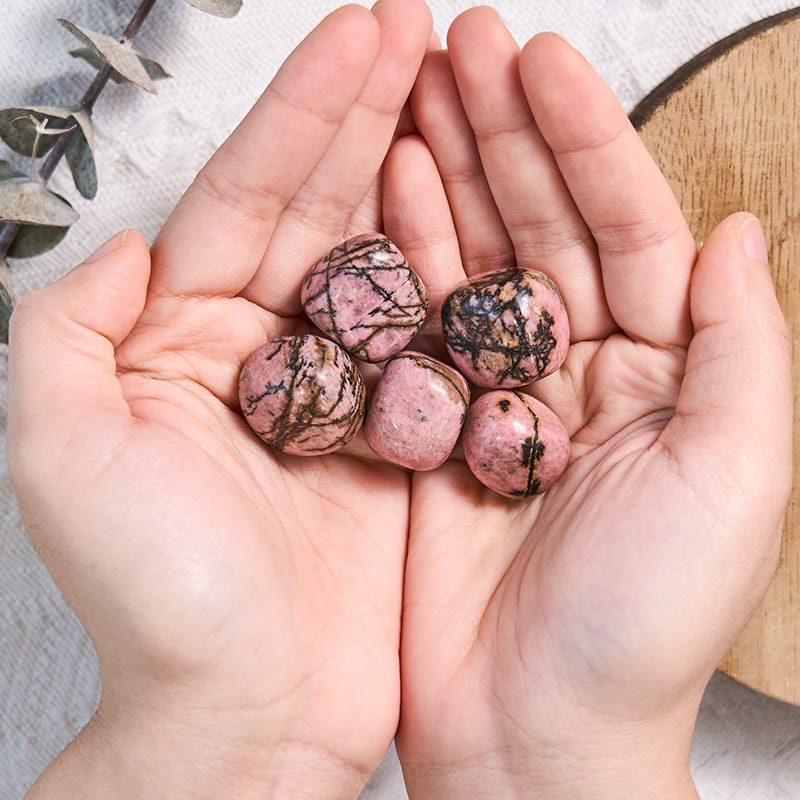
column 246, row 606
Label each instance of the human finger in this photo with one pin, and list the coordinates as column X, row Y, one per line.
column 317, row 217
column 734, row 412
column 646, row 249
column 417, row 218
column 214, row 240
column 482, row 237
column 63, row 387
column 537, row 208
column 369, row 214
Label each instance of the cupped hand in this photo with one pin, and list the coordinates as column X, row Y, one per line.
column 245, row 605
column 559, row 646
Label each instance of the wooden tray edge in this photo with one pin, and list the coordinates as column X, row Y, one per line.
column 651, row 102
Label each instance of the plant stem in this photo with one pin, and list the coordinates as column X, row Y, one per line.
column 10, row 231
column 139, row 16
column 87, row 103
column 7, row 236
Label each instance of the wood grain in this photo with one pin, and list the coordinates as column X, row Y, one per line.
column 725, row 130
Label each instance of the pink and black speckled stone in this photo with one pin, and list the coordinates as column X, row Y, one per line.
column 506, row 328
column 514, row 444
column 365, row 296
column 417, row 411
column 302, row 395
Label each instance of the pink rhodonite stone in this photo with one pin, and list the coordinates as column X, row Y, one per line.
column 365, row 296
column 302, row 395
column 507, row 328
column 417, row 411
column 514, row 444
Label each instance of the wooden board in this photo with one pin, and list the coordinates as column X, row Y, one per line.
column 725, row 130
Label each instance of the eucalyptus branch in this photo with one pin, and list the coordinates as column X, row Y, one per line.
column 45, row 172
column 87, row 104
column 7, row 236
column 33, row 219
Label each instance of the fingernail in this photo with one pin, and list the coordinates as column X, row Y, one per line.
column 117, row 240
column 753, row 241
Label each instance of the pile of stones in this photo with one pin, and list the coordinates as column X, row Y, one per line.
column 304, row 394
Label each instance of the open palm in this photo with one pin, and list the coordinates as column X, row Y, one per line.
column 213, row 573
column 536, row 632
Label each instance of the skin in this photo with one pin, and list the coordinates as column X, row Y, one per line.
column 559, row 648
column 246, row 606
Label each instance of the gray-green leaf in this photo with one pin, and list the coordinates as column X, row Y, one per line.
column 27, row 198
column 33, row 240
column 8, row 170
column 20, row 136
column 24, row 200
column 219, row 8
column 121, row 57
column 18, row 130
column 6, row 300
column 80, row 156
column 153, row 68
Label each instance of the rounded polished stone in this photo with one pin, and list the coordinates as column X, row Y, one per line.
column 514, row 444
column 506, row 328
column 302, row 394
column 417, row 411
column 366, row 297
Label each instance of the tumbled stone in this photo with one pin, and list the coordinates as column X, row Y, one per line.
column 514, row 444
column 417, row 411
column 366, row 297
column 506, row 328
column 302, row 395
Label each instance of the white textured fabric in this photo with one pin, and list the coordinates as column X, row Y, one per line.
column 746, row 746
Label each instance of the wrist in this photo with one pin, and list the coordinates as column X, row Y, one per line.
column 136, row 756
column 491, row 777
column 647, row 764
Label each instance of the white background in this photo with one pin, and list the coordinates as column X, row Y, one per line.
column 148, row 149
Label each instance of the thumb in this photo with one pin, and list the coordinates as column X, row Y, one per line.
column 62, row 370
column 734, row 412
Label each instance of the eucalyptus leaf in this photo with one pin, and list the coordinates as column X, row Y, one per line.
column 219, row 8
column 33, row 240
column 8, row 170
column 80, row 156
column 18, row 130
column 24, row 200
column 122, row 57
column 84, row 120
column 21, row 134
column 6, row 300
column 153, row 68
column 93, row 59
